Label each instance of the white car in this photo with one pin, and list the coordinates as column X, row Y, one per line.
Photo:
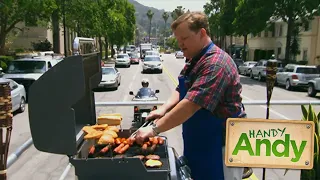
column 153, row 53
column 179, row 54
column 18, row 95
column 152, row 63
column 123, row 60
column 111, row 77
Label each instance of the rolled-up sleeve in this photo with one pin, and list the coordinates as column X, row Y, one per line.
column 208, row 87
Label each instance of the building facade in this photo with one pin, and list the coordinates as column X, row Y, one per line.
column 309, row 42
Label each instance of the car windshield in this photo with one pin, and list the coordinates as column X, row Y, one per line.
column 145, row 93
column 108, row 71
column 252, row 64
column 22, row 67
column 122, row 56
column 151, row 59
column 152, row 53
column 134, row 56
column 306, row 70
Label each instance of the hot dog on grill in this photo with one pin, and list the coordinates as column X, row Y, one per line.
column 161, row 141
column 124, row 149
column 153, row 157
column 119, row 147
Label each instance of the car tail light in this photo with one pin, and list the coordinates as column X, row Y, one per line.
column 294, row 77
column 136, row 109
column 154, row 108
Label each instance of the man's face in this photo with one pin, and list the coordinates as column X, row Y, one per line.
column 189, row 41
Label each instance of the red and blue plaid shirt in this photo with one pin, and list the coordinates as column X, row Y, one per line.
column 214, row 83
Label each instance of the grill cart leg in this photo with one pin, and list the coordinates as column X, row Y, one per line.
column 5, row 126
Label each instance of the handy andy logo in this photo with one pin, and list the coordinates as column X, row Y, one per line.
column 269, row 143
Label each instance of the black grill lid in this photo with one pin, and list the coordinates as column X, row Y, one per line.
column 61, row 102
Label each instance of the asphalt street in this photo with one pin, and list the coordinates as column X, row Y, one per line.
column 35, row 165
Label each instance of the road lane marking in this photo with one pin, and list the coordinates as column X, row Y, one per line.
column 271, row 110
column 130, row 85
column 175, row 82
column 253, row 176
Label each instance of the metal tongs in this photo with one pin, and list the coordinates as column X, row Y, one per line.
column 147, row 123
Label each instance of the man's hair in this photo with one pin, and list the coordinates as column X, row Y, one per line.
column 196, row 20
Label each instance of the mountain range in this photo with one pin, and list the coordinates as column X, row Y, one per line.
column 142, row 20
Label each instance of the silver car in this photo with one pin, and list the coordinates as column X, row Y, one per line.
column 111, row 77
column 294, row 75
column 123, row 60
column 18, row 95
column 245, row 68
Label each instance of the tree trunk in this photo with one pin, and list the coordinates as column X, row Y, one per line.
column 106, row 47
column 288, row 40
column 245, row 42
column 150, row 32
column 2, row 43
column 230, row 50
column 100, row 47
column 56, row 31
column 3, row 35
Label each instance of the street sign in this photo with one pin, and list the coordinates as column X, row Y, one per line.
column 269, row 143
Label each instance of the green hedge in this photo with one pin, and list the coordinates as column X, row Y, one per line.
column 4, row 61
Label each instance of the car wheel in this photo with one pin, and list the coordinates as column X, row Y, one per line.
column 311, row 90
column 288, row 85
column 260, row 77
column 161, row 71
column 22, row 106
column 251, row 75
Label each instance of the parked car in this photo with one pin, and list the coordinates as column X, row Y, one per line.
column 27, row 70
column 152, row 63
column 245, row 68
column 294, row 75
column 18, row 95
column 238, row 62
column 111, row 77
column 259, row 69
column 123, row 60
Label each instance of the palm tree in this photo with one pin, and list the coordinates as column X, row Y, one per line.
column 177, row 12
column 165, row 17
column 150, row 16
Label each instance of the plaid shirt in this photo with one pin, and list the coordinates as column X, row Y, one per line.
column 214, row 83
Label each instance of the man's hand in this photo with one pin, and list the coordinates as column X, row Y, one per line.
column 143, row 134
column 156, row 114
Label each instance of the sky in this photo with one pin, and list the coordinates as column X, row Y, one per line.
column 170, row 5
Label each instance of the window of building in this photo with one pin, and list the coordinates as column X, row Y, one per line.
column 278, row 52
column 259, row 34
column 266, row 33
column 307, row 26
column 280, row 30
column 273, row 32
column 305, row 55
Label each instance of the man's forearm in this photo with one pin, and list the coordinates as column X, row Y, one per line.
column 171, row 102
column 178, row 115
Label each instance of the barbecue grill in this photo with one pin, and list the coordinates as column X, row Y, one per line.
column 61, row 103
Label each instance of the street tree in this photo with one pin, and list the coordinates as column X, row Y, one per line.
column 248, row 11
column 213, row 10
column 18, row 11
column 150, row 16
column 165, row 17
column 177, row 12
column 291, row 12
